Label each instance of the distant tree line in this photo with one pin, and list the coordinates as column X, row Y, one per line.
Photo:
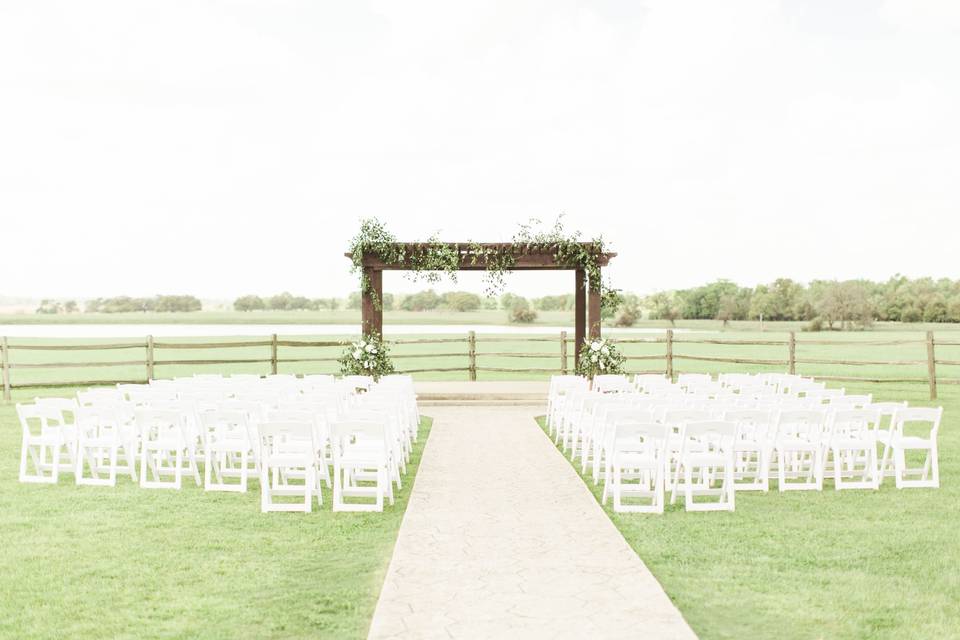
column 284, row 302
column 825, row 304
column 123, row 304
column 160, row 303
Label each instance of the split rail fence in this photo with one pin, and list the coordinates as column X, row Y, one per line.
column 147, row 360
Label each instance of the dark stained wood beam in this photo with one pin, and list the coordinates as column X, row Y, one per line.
column 579, row 313
column 371, row 313
column 593, row 309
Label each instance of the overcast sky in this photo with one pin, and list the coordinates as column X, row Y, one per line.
column 220, row 148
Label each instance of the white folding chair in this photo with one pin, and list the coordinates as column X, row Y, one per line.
column 639, row 462
column 800, row 449
column 360, row 454
column 903, row 441
column 101, row 436
column 706, row 447
column 853, row 449
column 227, row 452
column 165, row 449
column 288, row 455
column 40, row 438
column 753, row 448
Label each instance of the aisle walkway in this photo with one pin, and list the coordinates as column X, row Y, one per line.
column 503, row 540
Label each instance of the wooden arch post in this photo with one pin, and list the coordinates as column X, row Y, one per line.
column 371, row 308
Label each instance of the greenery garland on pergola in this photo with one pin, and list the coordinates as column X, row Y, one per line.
column 375, row 250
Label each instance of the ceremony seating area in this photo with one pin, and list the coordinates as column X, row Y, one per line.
column 293, row 435
column 649, row 439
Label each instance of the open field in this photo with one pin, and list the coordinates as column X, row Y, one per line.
column 799, row 565
column 126, row 562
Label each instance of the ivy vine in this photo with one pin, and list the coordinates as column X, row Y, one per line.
column 433, row 259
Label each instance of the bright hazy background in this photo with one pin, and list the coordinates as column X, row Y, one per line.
column 221, row 148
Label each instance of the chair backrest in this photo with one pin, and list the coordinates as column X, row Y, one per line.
column 676, row 417
column 713, row 434
column 223, row 424
column 801, row 422
column 67, row 407
column 640, row 435
column 98, row 421
column 368, row 427
column 685, row 379
column 245, row 377
column 853, row 423
column 36, row 419
column 91, row 397
column 160, row 424
column 752, row 424
column 285, row 438
column 611, row 383
column 911, row 418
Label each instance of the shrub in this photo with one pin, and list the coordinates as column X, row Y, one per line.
column 522, row 313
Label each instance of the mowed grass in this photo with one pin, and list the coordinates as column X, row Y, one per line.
column 832, row 564
column 126, row 562
column 852, row 564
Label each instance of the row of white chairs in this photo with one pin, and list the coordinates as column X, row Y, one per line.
column 285, row 431
column 645, row 436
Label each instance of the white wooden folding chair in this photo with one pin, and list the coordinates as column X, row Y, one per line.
column 287, row 465
column 360, row 456
column 852, row 449
column 799, row 444
column 227, row 452
column 165, row 449
column 40, row 438
column 706, row 447
column 101, row 437
column 916, row 429
column 884, row 431
column 753, row 448
column 639, row 462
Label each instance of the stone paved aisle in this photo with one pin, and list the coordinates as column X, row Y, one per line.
column 501, row 539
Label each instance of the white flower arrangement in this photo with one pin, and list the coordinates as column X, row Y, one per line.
column 599, row 356
column 368, row 356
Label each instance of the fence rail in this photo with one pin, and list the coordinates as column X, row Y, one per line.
column 475, row 359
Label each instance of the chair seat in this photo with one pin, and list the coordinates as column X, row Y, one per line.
column 912, row 442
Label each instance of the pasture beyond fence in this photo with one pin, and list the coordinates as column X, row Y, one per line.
column 477, row 357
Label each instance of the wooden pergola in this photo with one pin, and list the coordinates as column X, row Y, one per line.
column 525, row 258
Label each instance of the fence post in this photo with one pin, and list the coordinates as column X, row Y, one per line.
column 670, row 354
column 273, row 354
column 5, row 358
column 472, row 354
column 563, row 352
column 149, row 358
column 931, row 366
column 793, row 353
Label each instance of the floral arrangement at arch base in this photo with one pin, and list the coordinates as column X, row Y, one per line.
column 599, row 357
column 368, row 356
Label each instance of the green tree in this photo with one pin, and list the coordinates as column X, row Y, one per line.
column 249, row 303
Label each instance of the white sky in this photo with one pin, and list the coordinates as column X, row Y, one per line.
column 220, row 148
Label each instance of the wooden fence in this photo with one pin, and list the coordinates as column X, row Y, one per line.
column 563, row 356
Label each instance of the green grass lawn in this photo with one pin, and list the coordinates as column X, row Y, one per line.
column 849, row 564
column 126, row 562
